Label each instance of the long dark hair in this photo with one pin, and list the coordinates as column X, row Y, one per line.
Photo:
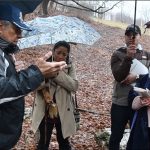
column 64, row 44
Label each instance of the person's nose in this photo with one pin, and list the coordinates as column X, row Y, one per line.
column 130, row 37
column 61, row 57
column 19, row 36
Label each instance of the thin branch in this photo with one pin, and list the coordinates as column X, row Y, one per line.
column 69, row 6
column 101, row 6
column 82, row 5
column 86, row 8
column 111, row 7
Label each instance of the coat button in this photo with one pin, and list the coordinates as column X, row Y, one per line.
column 68, row 109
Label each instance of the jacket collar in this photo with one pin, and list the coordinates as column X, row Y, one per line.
column 8, row 47
column 139, row 47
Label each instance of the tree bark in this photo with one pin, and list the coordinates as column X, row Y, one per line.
column 45, row 7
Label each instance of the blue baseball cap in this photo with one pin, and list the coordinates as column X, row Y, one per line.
column 13, row 14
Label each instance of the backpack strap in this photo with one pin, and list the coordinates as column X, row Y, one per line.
column 134, row 119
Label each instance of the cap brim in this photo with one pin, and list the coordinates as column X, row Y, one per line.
column 22, row 26
column 131, row 31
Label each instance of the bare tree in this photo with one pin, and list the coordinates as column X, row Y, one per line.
column 122, row 4
column 123, row 17
column 47, row 4
column 146, row 16
column 101, row 9
column 44, row 6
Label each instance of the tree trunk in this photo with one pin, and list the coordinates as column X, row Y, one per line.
column 45, row 6
column 64, row 7
column 51, row 4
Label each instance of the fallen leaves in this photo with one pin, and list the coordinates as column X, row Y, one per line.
column 95, row 79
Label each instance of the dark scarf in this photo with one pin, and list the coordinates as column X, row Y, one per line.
column 8, row 47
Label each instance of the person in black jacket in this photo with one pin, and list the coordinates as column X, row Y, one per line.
column 121, row 62
column 15, row 85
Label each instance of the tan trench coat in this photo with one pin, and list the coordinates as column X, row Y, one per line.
column 64, row 84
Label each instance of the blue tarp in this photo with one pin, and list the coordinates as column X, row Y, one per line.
column 53, row 29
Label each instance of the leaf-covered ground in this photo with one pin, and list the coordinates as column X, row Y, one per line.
column 95, row 78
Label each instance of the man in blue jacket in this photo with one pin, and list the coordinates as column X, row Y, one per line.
column 15, row 85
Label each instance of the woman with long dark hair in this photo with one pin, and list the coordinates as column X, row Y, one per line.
column 53, row 103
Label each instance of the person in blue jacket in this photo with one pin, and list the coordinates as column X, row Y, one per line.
column 15, row 85
column 140, row 129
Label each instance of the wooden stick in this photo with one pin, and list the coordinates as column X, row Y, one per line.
column 91, row 111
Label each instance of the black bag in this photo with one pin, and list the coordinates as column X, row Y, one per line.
column 76, row 111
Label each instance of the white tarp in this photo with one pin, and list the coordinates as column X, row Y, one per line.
column 53, row 29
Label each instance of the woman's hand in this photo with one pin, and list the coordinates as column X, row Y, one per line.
column 145, row 101
column 131, row 78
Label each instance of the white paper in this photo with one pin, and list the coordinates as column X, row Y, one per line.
column 138, row 68
column 142, row 92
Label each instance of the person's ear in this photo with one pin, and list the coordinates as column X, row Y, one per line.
column 1, row 26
